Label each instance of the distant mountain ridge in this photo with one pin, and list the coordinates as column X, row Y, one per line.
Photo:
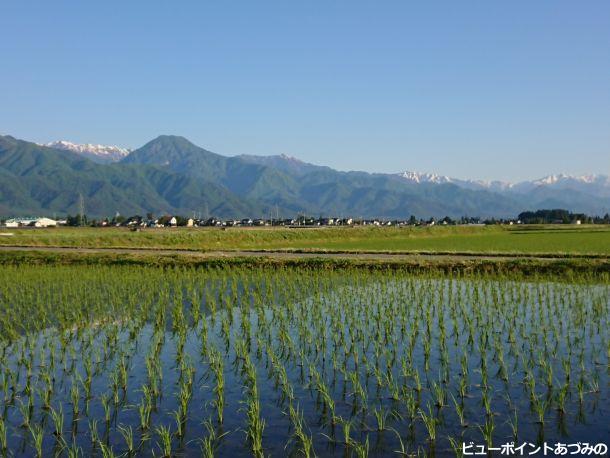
column 172, row 175
column 285, row 163
column 99, row 153
column 109, row 153
column 580, row 182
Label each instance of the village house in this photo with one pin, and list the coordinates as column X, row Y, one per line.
column 30, row 222
column 45, row 222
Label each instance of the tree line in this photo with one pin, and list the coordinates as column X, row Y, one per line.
column 560, row 216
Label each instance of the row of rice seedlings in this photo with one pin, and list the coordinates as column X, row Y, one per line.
column 357, row 339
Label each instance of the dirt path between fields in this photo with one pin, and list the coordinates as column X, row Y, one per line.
column 292, row 254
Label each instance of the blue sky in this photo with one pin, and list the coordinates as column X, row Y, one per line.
column 499, row 90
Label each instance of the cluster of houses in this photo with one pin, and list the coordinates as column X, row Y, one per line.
column 300, row 221
column 33, row 222
column 173, row 221
column 136, row 222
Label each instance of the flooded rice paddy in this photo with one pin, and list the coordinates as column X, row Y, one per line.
column 135, row 361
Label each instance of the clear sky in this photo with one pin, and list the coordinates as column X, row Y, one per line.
column 473, row 89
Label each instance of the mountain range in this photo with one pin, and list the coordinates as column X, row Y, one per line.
column 592, row 184
column 171, row 175
column 102, row 154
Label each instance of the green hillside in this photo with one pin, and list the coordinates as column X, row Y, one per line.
column 317, row 190
column 39, row 180
column 172, row 175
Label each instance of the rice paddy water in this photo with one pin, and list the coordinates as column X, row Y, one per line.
column 136, row 361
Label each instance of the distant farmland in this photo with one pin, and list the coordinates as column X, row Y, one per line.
column 531, row 240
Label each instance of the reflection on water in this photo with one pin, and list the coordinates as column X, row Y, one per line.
column 142, row 362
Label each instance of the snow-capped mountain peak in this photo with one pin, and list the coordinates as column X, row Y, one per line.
column 550, row 179
column 585, row 183
column 562, row 177
column 417, row 177
column 99, row 153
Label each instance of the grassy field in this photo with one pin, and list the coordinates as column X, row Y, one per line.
column 558, row 269
column 583, row 240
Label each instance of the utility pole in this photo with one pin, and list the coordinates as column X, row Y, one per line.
column 81, row 208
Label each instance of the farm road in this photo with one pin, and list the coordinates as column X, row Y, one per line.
column 286, row 254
